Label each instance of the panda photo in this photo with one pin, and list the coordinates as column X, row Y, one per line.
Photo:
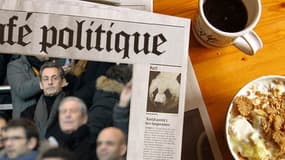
column 163, row 93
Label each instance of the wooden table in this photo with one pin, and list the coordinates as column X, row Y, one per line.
column 222, row 72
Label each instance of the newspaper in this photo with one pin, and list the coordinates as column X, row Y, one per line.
column 199, row 140
column 145, row 5
column 156, row 45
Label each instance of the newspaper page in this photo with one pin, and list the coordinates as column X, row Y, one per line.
column 137, row 4
column 145, row 5
column 199, row 140
column 156, row 45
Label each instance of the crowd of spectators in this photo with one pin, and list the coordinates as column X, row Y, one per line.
column 64, row 109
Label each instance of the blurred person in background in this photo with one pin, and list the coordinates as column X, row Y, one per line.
column 21, row 140
column 111, row 144
column 23, row 77
column 74, row 134
column 58, row 154
column 87, row 73
column 3, row 123
column 121, row 110
column 107, row 95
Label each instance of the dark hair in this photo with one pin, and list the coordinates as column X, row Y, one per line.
column 4, row 116
column 58, row 153
column 121, row 73
column 29, row 127
column 50, row 64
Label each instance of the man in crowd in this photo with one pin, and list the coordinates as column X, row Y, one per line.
column 21, row 140
column 111, row 144
column 74, row 134
column 52, row 82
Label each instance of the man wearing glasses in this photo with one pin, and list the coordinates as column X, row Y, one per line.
column 21, row 140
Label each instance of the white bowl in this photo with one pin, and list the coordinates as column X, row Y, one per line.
column 261, row 84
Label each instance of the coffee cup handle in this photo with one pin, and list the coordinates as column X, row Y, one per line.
column 249, row 43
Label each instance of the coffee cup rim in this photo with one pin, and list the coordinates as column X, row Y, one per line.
column 248, row 28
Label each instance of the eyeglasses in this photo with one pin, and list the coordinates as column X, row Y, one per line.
column 13, row 138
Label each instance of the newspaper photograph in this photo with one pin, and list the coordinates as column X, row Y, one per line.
column 195, row 143
column 155, row 47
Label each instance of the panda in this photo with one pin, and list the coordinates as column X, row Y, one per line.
column 163, row 94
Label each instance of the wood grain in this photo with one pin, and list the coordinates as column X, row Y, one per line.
column 222, row 72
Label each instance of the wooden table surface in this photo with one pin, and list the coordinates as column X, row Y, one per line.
column 222, row 72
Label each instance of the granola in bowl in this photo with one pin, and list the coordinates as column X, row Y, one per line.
column 255, row 123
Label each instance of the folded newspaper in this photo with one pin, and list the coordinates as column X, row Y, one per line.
column 164, row 83
column 145, row 5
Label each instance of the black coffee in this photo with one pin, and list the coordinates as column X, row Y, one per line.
column 226, row 15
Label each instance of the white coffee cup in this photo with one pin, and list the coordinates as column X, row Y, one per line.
column 213, row 37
